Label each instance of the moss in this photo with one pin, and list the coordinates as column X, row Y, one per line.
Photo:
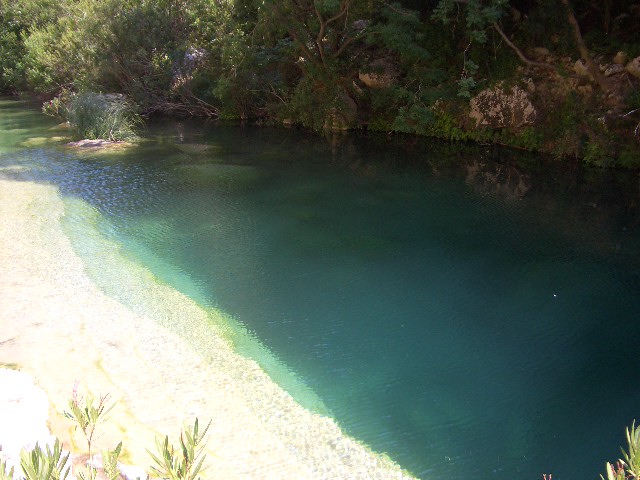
column 10, row 366
column 630, row 156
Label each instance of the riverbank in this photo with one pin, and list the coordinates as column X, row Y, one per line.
column 59, row 327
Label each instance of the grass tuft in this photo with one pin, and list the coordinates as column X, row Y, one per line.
column 99, row 116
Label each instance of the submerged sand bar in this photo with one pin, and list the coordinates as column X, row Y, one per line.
column 59, row 327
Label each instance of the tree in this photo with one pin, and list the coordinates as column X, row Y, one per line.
column 481, row 16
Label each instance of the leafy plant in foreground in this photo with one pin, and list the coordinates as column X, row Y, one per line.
column 184, row 463
column 629, row 466
column 39, row 464
column 110, row 462
column 5, row 474
column 88, row 414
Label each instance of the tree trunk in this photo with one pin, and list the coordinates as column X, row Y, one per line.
column 593, row 69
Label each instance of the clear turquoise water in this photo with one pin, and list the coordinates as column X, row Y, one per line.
column 470, row 320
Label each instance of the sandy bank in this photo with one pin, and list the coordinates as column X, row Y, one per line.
column 59, row 327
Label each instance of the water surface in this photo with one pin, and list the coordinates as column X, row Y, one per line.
column 473, row 313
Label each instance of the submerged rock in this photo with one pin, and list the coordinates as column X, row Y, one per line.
column 196, row 148
column 230, row 177
column 95, row 143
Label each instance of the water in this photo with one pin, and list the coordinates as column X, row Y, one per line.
column 469, row 319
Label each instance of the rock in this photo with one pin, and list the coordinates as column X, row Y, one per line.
column 91, row 143
column 620, row 58
column 24, row 411
column 585, row 90
column 633, row 67
column 540, row 53
column 581, row 68
column 498, row 107
column 195, row 148
column 131, row 472
column 613, row 69
column 529, row 85
column 380, row 73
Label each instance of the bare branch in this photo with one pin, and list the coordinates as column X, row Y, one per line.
column 521, row 55
column 344, row 8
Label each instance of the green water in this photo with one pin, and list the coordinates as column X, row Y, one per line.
column 474, row 313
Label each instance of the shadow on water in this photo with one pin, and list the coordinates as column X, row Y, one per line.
column 470, row 310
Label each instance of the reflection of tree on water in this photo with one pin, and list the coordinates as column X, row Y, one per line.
column 592, row 207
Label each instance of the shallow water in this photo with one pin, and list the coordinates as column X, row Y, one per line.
column 469, row 319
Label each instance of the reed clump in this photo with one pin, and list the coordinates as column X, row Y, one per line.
column 96, row 116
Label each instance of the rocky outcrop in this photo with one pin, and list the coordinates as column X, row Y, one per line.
column 501, row 107
column 620, row 58
column 380, row 73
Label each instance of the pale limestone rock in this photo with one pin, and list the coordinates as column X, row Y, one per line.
column 127, row 472
column 499, row 107
column 530, row 85
column 620, row 58
column 613, row 69
column 24, row 411
column 581, row 68
column 380, row 73
column 633, row 67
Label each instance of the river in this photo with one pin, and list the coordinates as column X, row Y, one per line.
column 470, row 311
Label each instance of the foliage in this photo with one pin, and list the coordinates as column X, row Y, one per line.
column 629, row 466
column 5, row 473
column 110, row 462
column 109, row 117
column 629, row 156
column 58, row 106
column 184, row 463
column 48, row 464
column 302, row 60
column 87, row 414
column 480, row 15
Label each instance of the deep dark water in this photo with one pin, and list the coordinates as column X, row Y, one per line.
column 472, row 312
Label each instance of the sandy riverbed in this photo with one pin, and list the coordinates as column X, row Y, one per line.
column 59, row 327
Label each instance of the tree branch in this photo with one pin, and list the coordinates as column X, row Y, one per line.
column 344, row 8
column 521, row 55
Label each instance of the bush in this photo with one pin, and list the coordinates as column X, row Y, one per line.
column 97, row 116
column 170, row 463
